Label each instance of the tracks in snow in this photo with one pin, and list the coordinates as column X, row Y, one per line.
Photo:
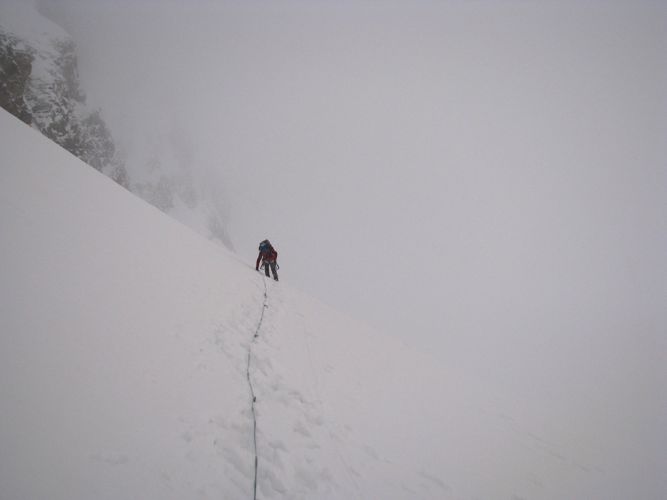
column 253, row 399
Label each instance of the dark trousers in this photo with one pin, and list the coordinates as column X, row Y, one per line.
column 273, row 269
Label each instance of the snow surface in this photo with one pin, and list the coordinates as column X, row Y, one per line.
column 124, row 343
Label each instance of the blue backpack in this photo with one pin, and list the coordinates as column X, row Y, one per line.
column 265, row 247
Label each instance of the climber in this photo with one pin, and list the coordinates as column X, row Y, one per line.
column 269, row 257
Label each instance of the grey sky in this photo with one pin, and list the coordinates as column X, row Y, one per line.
column 474, row 177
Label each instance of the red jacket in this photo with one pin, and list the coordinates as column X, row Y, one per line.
column 268, row 255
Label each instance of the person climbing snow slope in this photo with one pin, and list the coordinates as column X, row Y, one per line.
column 269, row 258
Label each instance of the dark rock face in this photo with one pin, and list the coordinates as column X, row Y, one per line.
column 15, row 70
column 53, row 102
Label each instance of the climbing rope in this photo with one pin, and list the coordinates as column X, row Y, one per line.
column 253, row 399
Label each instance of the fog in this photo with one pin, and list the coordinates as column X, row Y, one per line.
column 482, row 179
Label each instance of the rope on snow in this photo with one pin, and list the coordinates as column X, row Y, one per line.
column 253, row 399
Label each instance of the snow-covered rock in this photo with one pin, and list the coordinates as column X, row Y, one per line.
column 40, row 85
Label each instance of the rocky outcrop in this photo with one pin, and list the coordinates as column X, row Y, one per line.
column 40, row 86
column 15, row 70
column 39, row 83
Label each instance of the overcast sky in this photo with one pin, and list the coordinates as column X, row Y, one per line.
column 470, row 176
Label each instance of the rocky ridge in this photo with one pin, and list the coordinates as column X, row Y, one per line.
column 39, row 84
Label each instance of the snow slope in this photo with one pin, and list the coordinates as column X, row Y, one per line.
column 127, row 343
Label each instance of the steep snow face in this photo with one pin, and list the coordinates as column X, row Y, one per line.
column 123, row 340
column 127, row 344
